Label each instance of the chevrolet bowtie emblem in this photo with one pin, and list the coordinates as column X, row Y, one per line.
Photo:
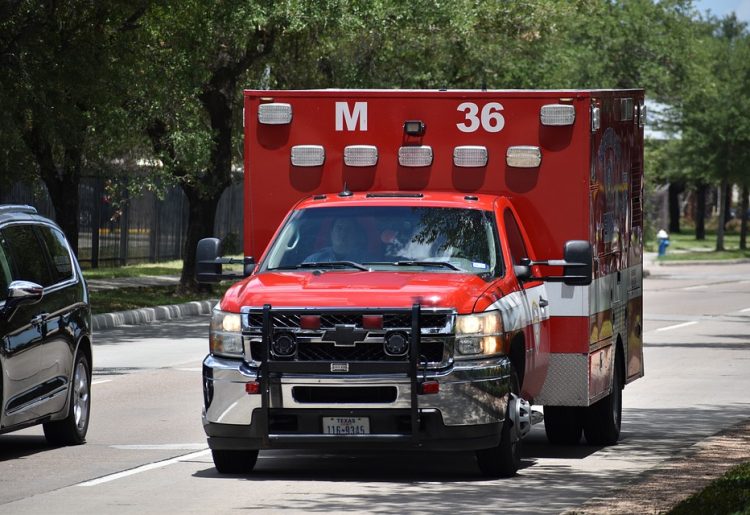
column 345, row 335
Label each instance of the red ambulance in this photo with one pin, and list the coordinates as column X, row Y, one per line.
column 429, row 264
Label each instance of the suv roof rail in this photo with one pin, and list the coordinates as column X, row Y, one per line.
column 17, row 208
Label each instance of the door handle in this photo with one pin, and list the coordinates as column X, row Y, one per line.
column 543, row 303
column 39, row 319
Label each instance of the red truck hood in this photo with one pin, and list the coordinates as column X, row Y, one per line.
column 356, row 289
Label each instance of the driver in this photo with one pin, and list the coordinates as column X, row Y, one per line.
column 346, row 237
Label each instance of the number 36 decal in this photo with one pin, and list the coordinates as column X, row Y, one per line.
column 489, row 119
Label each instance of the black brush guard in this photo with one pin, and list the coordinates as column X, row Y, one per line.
column 271, row 369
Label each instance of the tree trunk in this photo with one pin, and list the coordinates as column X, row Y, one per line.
column 720, row 217
column 744, row 206
column 62, row 186
column 201, row 217
column 700, row 212
column 728, row 205
column 674, row 207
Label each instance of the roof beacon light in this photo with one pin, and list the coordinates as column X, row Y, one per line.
column 360, row 155
column 470, row 156
column 275, row 114
column 414, row 127
column 558, row 114
column 308, row 155
column 414, row 157
column 523, row 157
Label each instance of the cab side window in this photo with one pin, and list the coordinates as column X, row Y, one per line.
column 62, row 266
column 27, row 254
column 515, row 240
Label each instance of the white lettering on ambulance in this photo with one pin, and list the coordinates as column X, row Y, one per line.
column 490, row 119
column 351, row 117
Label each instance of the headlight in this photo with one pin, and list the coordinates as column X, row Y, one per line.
column 225, row 334
column 479, row 335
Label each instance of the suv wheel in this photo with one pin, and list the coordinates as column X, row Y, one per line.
column 72, row 429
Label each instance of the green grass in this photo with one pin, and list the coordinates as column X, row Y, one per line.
column 163, row 268
column 684, row 247
column 109, row 301
column 730, row 494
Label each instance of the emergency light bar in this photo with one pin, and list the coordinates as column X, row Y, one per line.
column 558, row 114
column 274, row 114
column 308, row 155
column 360, row 155
column 523, row 157
column 415, row 156
column 470, row 156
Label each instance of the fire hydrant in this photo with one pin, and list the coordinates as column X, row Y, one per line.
column 663, row 239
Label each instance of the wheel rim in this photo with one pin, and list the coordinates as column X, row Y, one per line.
column 81, row 396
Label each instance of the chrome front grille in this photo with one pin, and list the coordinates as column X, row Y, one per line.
column 364, row 345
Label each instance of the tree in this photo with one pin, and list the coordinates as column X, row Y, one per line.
column 712, row 115
column 64, row 66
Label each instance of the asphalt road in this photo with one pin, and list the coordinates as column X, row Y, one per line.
column 146, row 450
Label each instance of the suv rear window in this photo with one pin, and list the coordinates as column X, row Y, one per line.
column 62, row 266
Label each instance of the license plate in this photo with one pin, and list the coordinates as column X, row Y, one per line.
column 346, row 425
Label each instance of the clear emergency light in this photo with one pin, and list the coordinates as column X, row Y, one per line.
column 596, row 119
column 470, row 156
column 558, row 115
column 360, row 155
column 641, row 114
column 308, row 155
column 274, row 114
column 415, row 156
column 523, row 157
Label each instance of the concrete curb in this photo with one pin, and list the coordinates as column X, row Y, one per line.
column 148, row 315
column 656, row 262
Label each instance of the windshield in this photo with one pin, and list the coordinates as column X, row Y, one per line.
column 387, row 238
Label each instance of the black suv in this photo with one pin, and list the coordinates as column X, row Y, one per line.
column 45, row 329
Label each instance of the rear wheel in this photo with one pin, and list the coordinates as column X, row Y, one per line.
column 234, row 462
column 603, row 419
column 72, row 429
column 563, row 424
column 504, row 460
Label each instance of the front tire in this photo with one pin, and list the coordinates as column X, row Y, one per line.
column 504, row 460
column 234, row 462
column 73, row 428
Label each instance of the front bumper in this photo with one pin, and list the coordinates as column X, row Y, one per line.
column 466, row 413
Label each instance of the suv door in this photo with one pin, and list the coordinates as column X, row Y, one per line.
column 36, row 371
column 22, row 329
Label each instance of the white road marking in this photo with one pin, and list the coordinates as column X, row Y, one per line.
column 698, row 287
column 101, row 381
column 144, row 468
column 162, row 447
column 198, row 369
column 677, row 326
column 744, row 310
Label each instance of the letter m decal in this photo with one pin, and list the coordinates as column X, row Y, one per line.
column 351, row 117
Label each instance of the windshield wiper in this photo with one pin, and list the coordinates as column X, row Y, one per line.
column 444, row 264
column 325, row 264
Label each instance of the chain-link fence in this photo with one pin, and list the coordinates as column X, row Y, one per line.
column 137, row 229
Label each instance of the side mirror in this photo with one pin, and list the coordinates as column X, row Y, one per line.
column 522, row 272
column 579, row 258
column 20, row 293
column 207, row 263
